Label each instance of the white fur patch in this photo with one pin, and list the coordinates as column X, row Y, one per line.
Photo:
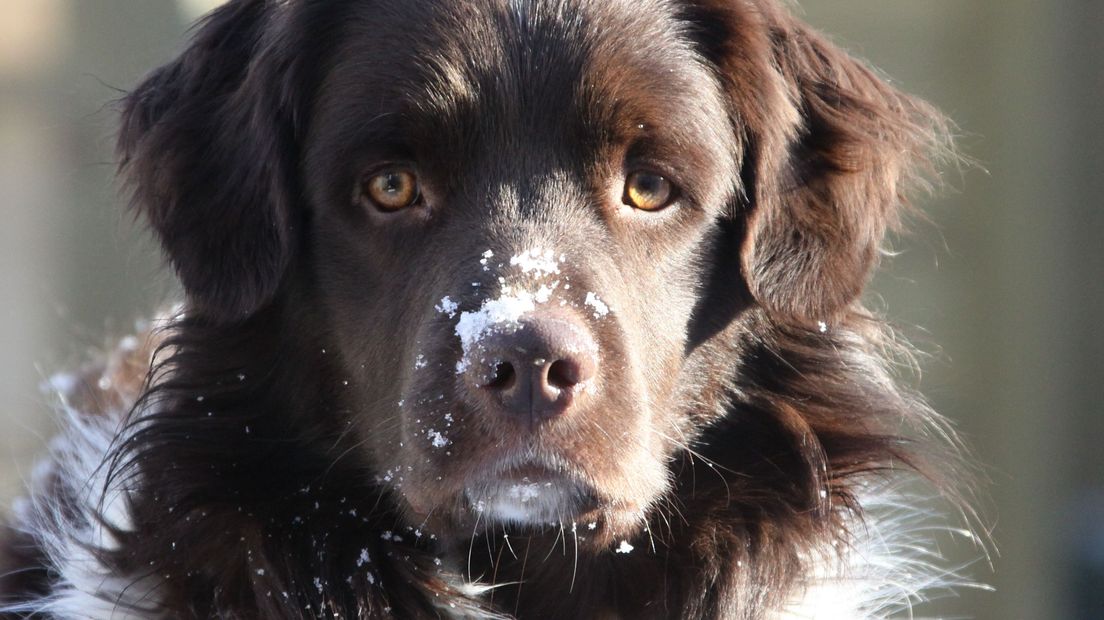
column 890, row 566
column 69, row 529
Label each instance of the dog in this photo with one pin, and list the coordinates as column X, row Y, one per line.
column 502, row 309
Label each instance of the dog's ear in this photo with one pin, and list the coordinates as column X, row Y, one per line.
column 829, row 150
column 207, row 147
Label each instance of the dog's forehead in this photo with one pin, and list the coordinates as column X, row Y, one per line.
column 538, row 65
column 480, row 37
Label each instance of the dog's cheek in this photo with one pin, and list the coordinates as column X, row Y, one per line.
column 656, row 313
column 656, row 317
column 354, row 298
column 627, row 459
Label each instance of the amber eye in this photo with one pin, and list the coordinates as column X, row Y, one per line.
column 648, row 191
column 390, row 190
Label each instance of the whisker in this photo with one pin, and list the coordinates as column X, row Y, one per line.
column 471, row 544
column 521, row 575
column 506, row 540
column 575, row 562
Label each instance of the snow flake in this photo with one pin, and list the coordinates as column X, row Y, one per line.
column 524, row 492
column 437, row 439
column 541, row 262
column 486, row 259
column 447, row 306
column 599, row 306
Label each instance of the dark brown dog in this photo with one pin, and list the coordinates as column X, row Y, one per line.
column 533, row 308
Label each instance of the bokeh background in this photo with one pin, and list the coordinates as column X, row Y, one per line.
column 1005, row 286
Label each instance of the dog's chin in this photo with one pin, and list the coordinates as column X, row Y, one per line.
column 527, row 502
column 530, row 497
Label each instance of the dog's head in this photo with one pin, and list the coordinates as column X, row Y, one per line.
column 530, row 233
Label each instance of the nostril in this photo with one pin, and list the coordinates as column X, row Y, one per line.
column 563, row 375
column 536, row 371
column 504, row 377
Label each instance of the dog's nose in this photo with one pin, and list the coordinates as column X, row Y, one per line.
column 536, row 371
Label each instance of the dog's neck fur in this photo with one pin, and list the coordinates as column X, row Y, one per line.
column 318, row 540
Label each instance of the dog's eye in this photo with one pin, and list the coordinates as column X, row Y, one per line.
column 648, row 191
column 390, row 190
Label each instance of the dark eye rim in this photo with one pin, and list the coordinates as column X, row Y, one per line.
column 362, row 192
column 673, row 195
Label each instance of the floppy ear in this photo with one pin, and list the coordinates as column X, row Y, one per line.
column 207, row 148
column 829, row 150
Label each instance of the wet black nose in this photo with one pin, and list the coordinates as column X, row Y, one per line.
column 537, row 370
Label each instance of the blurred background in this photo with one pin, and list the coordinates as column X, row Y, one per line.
column 1005, row 286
